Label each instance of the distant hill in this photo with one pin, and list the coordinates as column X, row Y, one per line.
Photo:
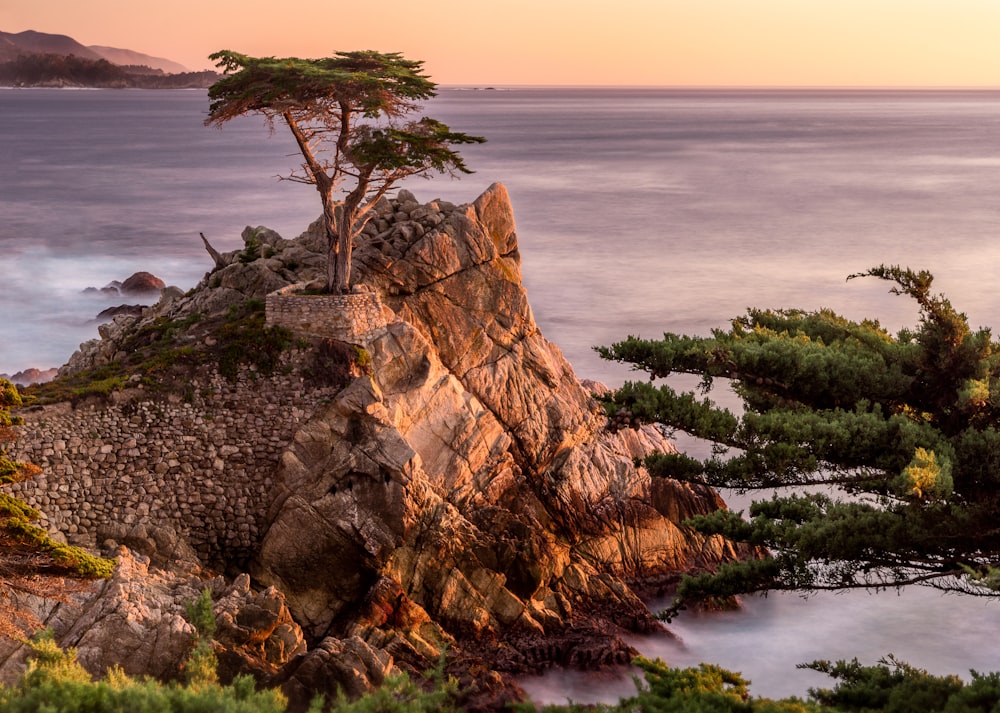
column 131, row 58
column 40, row 59
column 31, row 42
column 13, row 45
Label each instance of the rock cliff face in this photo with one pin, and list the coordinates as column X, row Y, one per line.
column 465, row 490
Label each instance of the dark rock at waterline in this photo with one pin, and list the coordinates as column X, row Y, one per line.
column 140, row 284
column 111, row 312
column 109, row 290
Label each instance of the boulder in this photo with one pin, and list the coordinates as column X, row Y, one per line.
column 141, row 283
column 130, row 310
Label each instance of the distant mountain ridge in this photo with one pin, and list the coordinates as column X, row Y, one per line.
column 13, row 45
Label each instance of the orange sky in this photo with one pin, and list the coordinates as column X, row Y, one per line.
column 595, row 42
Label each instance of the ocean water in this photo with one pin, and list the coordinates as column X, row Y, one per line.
column 639, row 212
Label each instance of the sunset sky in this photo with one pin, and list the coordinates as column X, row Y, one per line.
column 584, row 42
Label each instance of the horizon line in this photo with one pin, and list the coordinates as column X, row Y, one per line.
column 486, row 86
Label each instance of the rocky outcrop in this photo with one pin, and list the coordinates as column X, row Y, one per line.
column 136, row 620
column 30, row 376
column 471, row 474
column 463, row 491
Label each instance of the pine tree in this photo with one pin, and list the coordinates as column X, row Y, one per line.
column 899, row 434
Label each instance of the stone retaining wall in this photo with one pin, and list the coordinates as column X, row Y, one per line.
column 352, row 318
column 203, row 466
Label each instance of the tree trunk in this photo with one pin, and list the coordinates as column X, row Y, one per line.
column 340, row 252
column 336, row 282
column 219, row 261
column 340, row 255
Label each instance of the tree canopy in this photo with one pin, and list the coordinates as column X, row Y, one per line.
column 898, row 434
column 351, row 115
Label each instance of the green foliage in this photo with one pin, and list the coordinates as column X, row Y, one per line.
column 10, row 397
column 201, row 667
column 162, row 352
column 16, row 519
column 702, row 689
column 55, row 682
column 251, row 249
column 335, row 363
column 889, row 687
column 926, row 477
column 79, row 385
column 362, row 358
column 8, row 467
column 246, row 339
column 906, row 425
column 100, row 387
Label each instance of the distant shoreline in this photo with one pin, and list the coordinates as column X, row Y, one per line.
column 51, row 71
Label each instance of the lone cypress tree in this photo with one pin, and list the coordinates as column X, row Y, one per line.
column 351, row 116
column 900, row 434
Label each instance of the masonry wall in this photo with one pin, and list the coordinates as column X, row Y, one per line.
column 352, row 318
column 204, row 466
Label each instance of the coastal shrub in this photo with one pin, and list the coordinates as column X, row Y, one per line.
column 334, row 363
column 362, row 359
column 10, row 397
column 7, row 467
column 201, row 666
column 890, row 686
column 101, row 387
column 76, row 386
column 55, row 682
column 251, row 249
column 245, row 338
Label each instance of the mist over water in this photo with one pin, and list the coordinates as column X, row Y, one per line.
column 639, row 212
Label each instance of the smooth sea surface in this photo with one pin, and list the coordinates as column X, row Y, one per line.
column 639, row 211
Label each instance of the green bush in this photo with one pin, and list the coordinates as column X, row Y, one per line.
column 10, row 397
column 201, row 667
column 55, row 682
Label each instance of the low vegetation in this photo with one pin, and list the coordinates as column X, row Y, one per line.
column 161, row 353
column 54, row 682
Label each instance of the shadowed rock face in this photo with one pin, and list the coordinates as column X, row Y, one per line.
column 468, row 490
